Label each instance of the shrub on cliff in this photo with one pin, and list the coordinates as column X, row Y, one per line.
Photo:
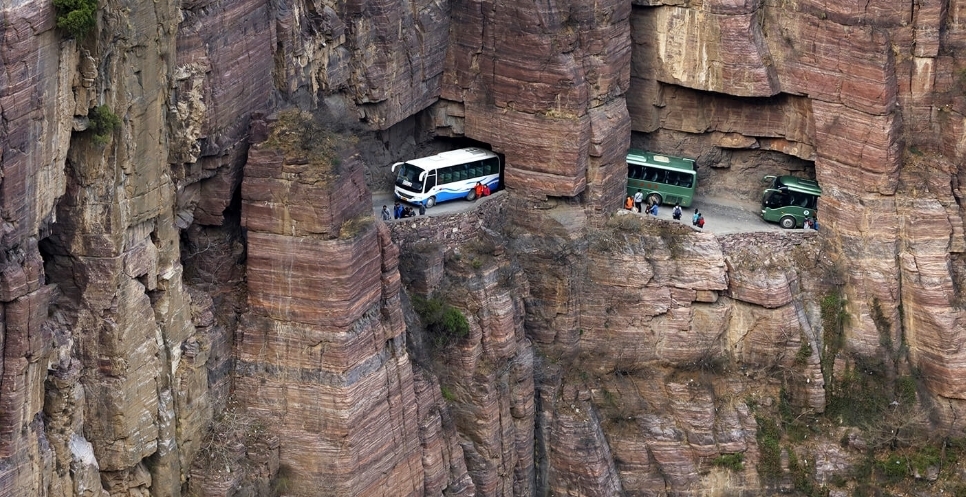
column 442, row 320
column 77, row 17
column 103, row 123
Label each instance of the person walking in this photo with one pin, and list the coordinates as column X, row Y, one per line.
column 638, row 200
column 385, row 213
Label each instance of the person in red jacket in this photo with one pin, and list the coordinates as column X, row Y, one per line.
column 479, row 189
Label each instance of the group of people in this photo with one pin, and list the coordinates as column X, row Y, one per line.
column 637, row 201
column 697, row 219
column 481, row 190
column 399, row 211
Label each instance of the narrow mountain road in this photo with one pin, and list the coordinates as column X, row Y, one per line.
column 722, row 216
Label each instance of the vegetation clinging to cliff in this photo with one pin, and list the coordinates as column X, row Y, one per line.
column 445, row 322
column 77, row 17
column 312, row 140
column 103, row 122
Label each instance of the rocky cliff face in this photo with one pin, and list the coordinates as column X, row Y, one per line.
column 191, row 289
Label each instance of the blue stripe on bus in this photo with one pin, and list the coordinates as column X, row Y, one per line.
column 451, row 193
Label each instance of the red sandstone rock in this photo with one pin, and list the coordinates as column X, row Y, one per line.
column 566, row 71
column 707, row 50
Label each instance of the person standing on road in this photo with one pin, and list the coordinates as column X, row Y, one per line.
column 478, row 189
column 385, row 213
column 638, row 199
column 676, row 213
column 397, row 210
column 694, row 218
column 422, row 208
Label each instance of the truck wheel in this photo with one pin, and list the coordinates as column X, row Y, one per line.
column 787, row 222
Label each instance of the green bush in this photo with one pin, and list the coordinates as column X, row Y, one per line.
column 77, row 17
column 895, row 467
column 447, row 393
column 444, row 322
column 103, row 123
column 860, row 396
column 804, row 352
column 926, row 457
column 834, row 319
column 770, row 451
column 906, row 390
column 733, row 462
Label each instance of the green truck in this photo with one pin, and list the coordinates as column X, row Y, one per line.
column 789, row 201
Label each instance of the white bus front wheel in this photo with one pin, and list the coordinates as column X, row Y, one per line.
column 431, row 201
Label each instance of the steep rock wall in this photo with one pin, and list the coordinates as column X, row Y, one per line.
column 544, row 85
column 112, row 366
column 863, row 121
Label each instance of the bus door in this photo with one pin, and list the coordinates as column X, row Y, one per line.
column 430, row 182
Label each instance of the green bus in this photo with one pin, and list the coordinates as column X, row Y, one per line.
column 789, row 200
column 662, row 178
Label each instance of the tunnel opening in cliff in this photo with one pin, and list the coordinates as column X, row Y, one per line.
column 412, row 138
column 729, row 173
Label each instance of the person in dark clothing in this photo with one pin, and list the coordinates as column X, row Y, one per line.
column 397, row 210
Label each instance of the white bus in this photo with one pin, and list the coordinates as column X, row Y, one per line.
column 446, row 176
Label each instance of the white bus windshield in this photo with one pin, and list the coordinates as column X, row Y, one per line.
column 408, row 177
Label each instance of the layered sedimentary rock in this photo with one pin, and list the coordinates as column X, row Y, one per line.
column 570, row 61
column 321, row 352
column 113, row 368
column 37, row 107
column 490, row 373
column 223, row 74
column 868, row 94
